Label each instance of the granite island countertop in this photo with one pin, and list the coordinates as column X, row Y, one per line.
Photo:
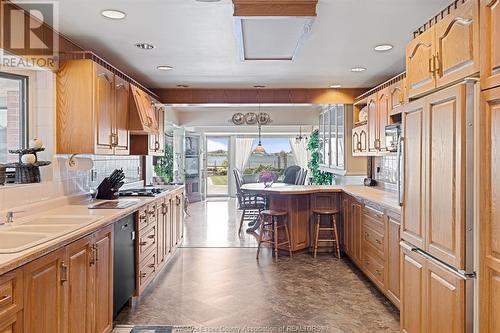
column 378, row 196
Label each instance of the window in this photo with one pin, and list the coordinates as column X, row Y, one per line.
column 13, row 115
column 277, row 158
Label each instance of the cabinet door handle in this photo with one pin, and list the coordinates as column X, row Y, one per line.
column 157, row 145
column 378, row 241
column 92, row 255
column 151, row 212
column 5, row 300
column 151, row 236
column 151, row 265
column 64, row 272
column 143, row 275
column 437, row 64
column 143, row 243
column 431, row 66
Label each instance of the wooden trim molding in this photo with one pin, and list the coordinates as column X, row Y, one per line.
column 256, row 96
column 275, row 7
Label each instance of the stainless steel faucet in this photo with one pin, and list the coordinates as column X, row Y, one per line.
column 10, row 215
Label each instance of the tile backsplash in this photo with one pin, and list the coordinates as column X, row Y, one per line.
column 386, row 169
column 105, row 165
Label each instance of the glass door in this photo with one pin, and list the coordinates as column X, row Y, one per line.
column 217, row 166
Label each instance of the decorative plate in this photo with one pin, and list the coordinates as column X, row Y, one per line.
column 264, row 118
column 238, row 118
column 251, row 118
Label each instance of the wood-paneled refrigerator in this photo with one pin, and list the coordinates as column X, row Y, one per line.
column 438, row 271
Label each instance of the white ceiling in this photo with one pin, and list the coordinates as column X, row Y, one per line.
column 198, row 40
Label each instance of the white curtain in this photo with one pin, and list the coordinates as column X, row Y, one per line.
column 242, row 152
column 300, row 153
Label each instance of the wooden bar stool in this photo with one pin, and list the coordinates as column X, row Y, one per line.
column 332, row 217
column 270, row 222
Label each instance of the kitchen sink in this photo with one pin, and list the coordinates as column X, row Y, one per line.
column 42, row 229
column 62, row 219
column 23, row 235
column 11, row 242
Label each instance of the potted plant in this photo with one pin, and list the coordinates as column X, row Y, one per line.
column 318, row 177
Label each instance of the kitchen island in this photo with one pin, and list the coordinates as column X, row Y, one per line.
column 300, row 200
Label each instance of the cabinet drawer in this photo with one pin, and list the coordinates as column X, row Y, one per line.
column 147, row 270
column 142, row 219
column 11, row 293
column 373, row 267
column 147, row 242
column 374, row 238
column 373, row 213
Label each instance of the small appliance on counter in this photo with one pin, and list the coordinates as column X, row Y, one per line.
column 369, row 180
column 392, row 135
column 108, row 188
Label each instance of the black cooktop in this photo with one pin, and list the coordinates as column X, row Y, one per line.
column 142, row 192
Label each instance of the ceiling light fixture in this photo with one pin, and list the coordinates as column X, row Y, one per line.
column 113, row 14
column 208, row 0
column 383, row 47
column 358, row 69
column 182, row 86
column 259, row 86
column 333, row 86
column 164, row 68
column 144, row 46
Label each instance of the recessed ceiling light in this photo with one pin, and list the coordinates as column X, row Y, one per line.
column 208, row 0
column 164, row 68
column 383, row 47
column 335, row 86
column 358, row 69
column 144, row 46
column 182, row 86
column 259, row 86
column 113, row 14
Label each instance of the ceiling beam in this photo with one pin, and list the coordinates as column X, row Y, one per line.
column 275, row 7
column 256, row 96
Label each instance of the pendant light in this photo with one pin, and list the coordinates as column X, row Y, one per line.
column 259, row 149
column 300, row 137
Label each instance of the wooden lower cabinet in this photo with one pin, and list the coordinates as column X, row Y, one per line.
column 45, row 293
column 103, row 292
column 81, row 266
column 160, row 233
column 432, row 297
column 12, row 324
column 71, row 289
column 371, row 240
column 393, row 251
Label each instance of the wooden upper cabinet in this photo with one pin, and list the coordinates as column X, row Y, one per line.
column 420, row 64
column 45, row 290
column 490, row 43
column 121, row 134
column 104, row 109
column 383, row 105
column 413, row 225
column 396, row 96
column 142, row 118
column 413, row 300
column 372, row 123
column 457, row 44
column 445, row 53
column 91, row 111
column 445, row 175
column 489, row 199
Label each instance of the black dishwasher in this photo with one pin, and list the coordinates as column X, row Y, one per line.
column 123, row 263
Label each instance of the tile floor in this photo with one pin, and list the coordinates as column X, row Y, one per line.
column 216, row 285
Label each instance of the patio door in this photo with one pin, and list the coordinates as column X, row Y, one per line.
column 217, row 166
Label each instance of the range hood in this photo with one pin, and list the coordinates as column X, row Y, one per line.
column 272, row 29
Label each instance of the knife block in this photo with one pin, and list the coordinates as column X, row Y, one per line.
column 106, row 191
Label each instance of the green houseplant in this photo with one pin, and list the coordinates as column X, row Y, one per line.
column 165, row 165
column 318, row 177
